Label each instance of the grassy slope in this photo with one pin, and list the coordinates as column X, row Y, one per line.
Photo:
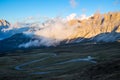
column 107, row 55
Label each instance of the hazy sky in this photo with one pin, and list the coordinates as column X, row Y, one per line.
column 13, row 10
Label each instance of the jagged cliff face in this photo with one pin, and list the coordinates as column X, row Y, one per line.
column 97, row 24
column 4, row 24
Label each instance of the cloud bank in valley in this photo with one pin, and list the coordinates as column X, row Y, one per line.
column 52, row 33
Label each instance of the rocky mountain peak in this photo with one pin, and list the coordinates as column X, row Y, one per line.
column 4, row 23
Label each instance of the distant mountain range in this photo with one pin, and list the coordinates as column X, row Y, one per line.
column 97, row 28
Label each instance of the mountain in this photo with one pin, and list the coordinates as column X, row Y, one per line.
column 13, row 42
column 96, row 24
column 97, row 28
column 7, row 30
column 4, row 23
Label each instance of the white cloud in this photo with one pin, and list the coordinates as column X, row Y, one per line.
column 73, row 3
column 53, row 32
column 71, row 16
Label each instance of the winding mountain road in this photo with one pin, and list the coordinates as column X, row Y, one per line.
column 20, row 67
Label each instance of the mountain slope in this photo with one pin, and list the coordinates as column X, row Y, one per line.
column 13, row 42
column 97, row 24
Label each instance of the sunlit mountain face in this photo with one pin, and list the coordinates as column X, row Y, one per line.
column 56, row 31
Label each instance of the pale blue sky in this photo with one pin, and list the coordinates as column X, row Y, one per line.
column 13, row 10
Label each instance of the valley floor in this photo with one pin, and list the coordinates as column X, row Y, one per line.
column 66, row 62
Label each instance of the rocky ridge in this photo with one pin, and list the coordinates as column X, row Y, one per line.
column 96, row 24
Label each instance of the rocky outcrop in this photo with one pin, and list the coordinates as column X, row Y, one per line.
column 97, row 24
column 4, row 24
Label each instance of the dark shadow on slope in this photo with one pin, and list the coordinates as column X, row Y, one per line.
column 12, row 42
column 109, row 70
